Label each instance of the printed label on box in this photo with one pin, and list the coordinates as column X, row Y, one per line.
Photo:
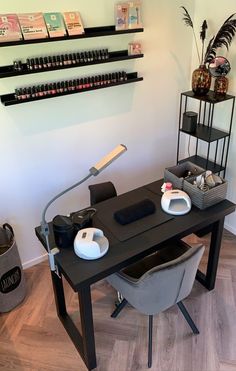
column 121, row 16
column 73, row 23
column 55, row 24
column 134, row 20
column 9, row 28
column 33, row 26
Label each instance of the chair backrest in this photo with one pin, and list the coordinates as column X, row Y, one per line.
column 101, row 192
column 164, row 285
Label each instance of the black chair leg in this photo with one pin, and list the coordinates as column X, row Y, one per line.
column 150, row 341
column 119, row 299
column 119, row 308
column 188, row 317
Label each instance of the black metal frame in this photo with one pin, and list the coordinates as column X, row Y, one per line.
column 84, row 343
column 206, row 132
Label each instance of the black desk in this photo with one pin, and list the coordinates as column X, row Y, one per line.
column 81, row 274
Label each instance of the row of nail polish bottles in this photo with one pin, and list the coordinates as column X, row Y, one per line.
column 42, row 63
column 62, row 87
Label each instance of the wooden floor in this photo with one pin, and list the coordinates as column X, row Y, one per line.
column 32, row 338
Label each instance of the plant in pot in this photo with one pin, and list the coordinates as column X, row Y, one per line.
column 201, row 77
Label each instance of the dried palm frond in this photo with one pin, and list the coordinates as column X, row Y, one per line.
column 203, row 37
column 188, row 21
column 224, row 37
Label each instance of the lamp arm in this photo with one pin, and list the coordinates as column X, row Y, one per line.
column 61, row 194
column 95, row 170
column 45, row 227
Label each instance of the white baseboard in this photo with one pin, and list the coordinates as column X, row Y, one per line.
column 230, row 229
column 31, row 263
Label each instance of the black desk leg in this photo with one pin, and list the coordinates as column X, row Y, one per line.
column 208, row 280
column 86, row 316
column 59, row 294
column 84, row 343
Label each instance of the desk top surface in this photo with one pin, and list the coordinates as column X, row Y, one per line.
column 80, row 273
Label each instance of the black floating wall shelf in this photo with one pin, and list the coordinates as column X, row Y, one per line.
column 121, row 55
column 89, row 32
column 9, row 99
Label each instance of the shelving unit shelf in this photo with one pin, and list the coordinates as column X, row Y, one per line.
column 89, row 32
column 9, row 99
column 206, row 132
column 120, row 55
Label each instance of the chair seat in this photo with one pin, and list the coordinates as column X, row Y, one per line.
column 167, row 253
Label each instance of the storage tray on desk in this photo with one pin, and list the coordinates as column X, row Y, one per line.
column 175, row 174
column 208, row 198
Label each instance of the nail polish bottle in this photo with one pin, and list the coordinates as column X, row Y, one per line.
column 124, row 74
column 33, row 92
column 54, row 88
column 54, row 61
column 66, row 86
column 45, row 90
column 70, row 59
column 74, row 58
column 65, row 60
column 49, row 62
column 82, row 58
column 70, row 86
column 31, row 64
column 102, row 54
column 87, row 57
column 17, row 94
column 36, row 64
column 77, row 60
column 28, row 64
column 40, row 63
column 92, row 82
column 81, row 83
column 24, row 94
column 62, row 86
column 77, row 84
column 15, row 65
column 45, row 62
column 41, row 91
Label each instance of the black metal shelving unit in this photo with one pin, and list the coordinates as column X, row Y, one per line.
column 120, row 55
column 206, row 132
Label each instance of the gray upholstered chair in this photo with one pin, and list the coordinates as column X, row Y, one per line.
column 159, row 281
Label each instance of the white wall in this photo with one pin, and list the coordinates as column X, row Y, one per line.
column 48, row 145
column 216, row 13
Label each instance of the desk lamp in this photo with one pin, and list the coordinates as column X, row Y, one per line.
column 93, row 171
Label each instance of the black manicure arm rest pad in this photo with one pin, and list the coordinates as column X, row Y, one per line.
column 134, row 212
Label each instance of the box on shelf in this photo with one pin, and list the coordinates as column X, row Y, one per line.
column 135, row 48
column 204, row 199
column 33, row 26
column 73, row 23
column 121, row 16
column 9, row 28
column 134, row 20
column 55, row 24
column 176, row 174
